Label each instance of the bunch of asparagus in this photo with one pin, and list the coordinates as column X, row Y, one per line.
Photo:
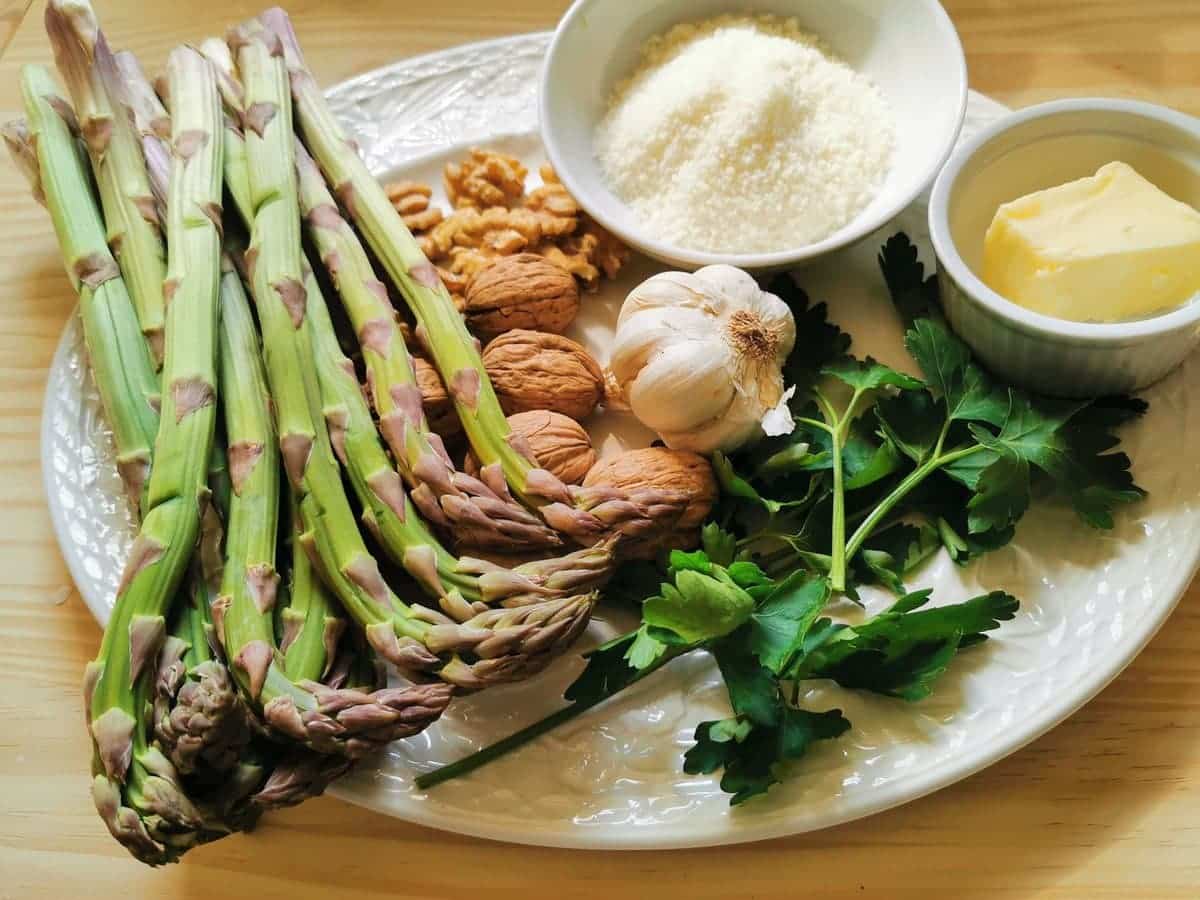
column 241, row 668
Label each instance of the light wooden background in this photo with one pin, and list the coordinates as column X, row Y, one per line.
column 1106, row 806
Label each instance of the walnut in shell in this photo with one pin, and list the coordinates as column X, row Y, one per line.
column 439, row 408
column 558, row 444
column 522, row 291
column 533, row 370
column 678, row 471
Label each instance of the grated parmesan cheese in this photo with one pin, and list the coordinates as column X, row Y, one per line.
column 744, row 134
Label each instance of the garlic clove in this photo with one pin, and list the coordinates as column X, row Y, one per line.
column 682, row 384
column 728, row 288
column 736, row 427
column 649, row 332
column 669, row 290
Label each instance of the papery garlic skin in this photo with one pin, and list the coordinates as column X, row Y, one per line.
column 699, row 357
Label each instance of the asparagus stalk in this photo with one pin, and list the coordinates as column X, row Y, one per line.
column 390, row 376
column 202, row 733
column 282, row 680
column 136, row 789
column 274, row 265
column 495, row 646
column 584, row 514
column 177, row 488
column 199, row 718
column 133, row 206
column 237, row 179
column 349, row 724
column 398, row 526
column 121, row 363
column 310, row 627
column 505, row 524
column 483, row 508
column 480, row 511
column 150, row 120
column 114, row 147
column 389, row 511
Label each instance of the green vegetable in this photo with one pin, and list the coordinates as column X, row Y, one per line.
column 698, row 607
column 954, row 454
column 750, row 754
column 901, row 652
column 133, row 226
column 778, row 625
column 136, row 789
column 778, row 641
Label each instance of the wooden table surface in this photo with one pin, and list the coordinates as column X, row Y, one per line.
column 1106, row 806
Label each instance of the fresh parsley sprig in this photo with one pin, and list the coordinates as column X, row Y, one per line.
column 767, row 636
column 953, row 452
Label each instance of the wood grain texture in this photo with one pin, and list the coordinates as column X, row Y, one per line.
column 1105, row 806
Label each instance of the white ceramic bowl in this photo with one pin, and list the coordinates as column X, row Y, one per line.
column 1037, row 148
column 909, row 48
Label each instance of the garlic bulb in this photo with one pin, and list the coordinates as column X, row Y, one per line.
column 699, row 357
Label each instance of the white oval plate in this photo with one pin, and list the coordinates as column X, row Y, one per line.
column 613, row 778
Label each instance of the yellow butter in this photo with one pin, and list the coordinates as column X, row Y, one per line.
column 1101, row 249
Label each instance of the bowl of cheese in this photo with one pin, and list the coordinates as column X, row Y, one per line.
column 1068, row 244
column 756, row 135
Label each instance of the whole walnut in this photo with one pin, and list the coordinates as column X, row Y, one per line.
column 677, row 471
column 559, row 444
column 522, row 291
column 439, row 408
column 532, row 370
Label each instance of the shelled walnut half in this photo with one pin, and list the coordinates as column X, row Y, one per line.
column 493, row 216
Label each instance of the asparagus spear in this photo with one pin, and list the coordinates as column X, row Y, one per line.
column 120, row 361
column 114, row 147
column 584, row 514
column 284, row 687
column 149, row 117
column 390, row 375
column 136, row 789
column 503, row 644
column 195, row 709
column 177, row 488
column 398, row 526
column 397, row 397
column 283, row 680
column 176, row 820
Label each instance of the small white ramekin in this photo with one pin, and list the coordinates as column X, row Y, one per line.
column 1037, row 148
column 909, row 48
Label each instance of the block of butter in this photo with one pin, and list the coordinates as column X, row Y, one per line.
column 1105, row 248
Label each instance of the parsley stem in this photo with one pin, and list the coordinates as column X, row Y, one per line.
column 837, row 433
column 530, row 733
column 937, row 461
column 837, row 566
column 813, row 423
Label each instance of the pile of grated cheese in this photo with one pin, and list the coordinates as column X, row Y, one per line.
column 743, row 134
